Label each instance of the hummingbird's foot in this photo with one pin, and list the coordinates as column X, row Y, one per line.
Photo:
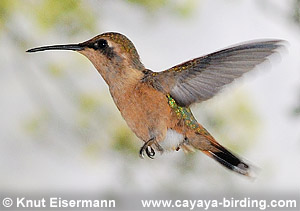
column 148, row 149
column 150, row 152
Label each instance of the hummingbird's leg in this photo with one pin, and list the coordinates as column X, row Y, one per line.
column 159, row 148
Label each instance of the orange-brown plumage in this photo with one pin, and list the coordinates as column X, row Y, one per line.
column 156, row 105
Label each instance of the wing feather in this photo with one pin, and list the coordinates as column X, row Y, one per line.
column 201, row 78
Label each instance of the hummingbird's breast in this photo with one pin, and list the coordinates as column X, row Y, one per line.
column 145, row 109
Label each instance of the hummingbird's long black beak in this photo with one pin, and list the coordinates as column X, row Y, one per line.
column 72, row 47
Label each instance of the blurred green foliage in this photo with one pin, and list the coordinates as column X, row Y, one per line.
column 67, row 16
column 233, row 120
column 88, row 102
column 6, row 9
column 55, row 70
column 150, row 5
column 297, row 111
column 296, row 13
column 296, row 18
column 71, row 13
column 35, row 124
column 183, row 8
column 124, row 141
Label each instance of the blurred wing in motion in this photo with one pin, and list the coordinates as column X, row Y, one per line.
column 201, row 78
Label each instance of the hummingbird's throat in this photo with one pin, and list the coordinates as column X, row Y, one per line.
column 186, row 116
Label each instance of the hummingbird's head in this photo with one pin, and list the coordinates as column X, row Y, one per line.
column 111, row 48
column 111, row 53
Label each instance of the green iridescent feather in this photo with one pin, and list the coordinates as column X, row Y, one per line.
column 186, row 115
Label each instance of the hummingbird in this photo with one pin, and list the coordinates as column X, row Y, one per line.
column 156, row 105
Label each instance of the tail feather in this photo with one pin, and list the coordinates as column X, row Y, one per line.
column 213, row 149
column 230, row 161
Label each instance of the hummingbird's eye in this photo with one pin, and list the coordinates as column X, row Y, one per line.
column 100, row 44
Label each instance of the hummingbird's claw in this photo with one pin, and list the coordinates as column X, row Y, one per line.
column 141, row 154
column 148, row 149
column 151, row 152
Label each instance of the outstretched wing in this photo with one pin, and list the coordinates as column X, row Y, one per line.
column 201, row 78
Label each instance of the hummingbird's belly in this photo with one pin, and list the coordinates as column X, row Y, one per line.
column 172, row 141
